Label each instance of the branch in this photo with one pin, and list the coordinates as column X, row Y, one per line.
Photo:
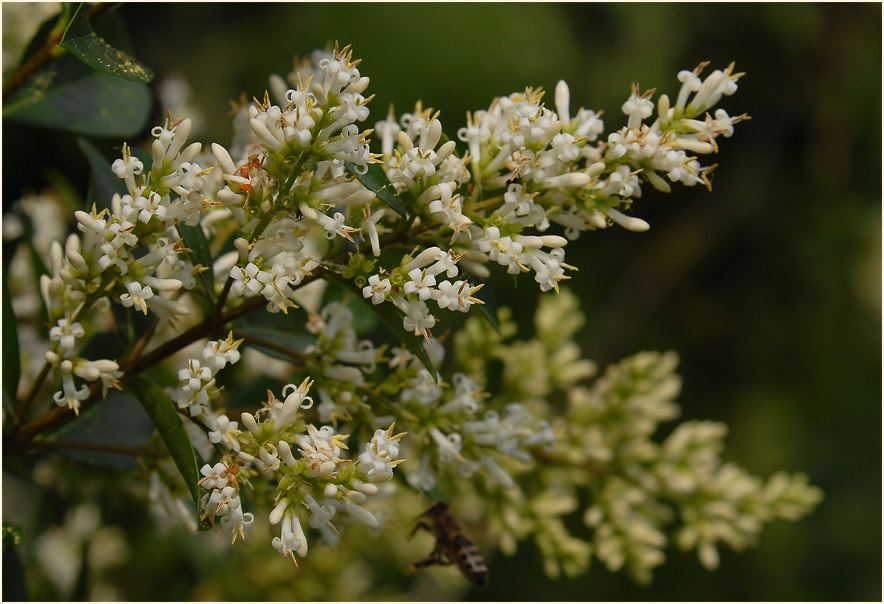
column 67, row 444
column 29, row 397
column 271, row 345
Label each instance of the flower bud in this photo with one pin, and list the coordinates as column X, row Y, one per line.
column 361, row 515
column 629, row 223
column 278, row 511
column 248, row 420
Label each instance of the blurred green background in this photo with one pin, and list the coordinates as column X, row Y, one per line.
column 769, row 287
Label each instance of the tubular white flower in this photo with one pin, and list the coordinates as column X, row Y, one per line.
column 361, row 515
column 563, row 96
column 630, row 223
column 276, row 514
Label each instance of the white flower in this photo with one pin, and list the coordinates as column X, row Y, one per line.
column 321, row 449
column 69, row 394
column 637, row 108
column 220, row 352
column 449, row 446
column 388, row 130
column 376, row 289
column 137, row 296
column 320, row 515
column 378, row 459
column 214, row 477
column 296, row 399
column 421, row 283
column 417, row 316
column 361, row 515
column 236, row 520
column 194, row 375
column 291, row 538
column 225, row 433
column 127, row 168
column 65, row 333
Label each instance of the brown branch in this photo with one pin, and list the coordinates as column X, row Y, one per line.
column 271, row 345
column 29, row 397
column 222, row 298
column 83, row 446
column 143, row 341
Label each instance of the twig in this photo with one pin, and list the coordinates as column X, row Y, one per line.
column 142, row 341
column 67, row 444
column 222, row 298
column 271, row 345
column 26, row 402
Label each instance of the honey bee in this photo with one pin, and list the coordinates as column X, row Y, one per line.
column 452, row 545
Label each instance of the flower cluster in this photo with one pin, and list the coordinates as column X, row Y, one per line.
column 409, row 233
column 100, row 266
column 644, row 492
column 320, row 479
column 197, row 380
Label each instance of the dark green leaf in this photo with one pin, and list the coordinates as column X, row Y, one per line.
column 98, row 54
column 195, row 239
column 376, row 180
column 97, row 104
column 165, row 417
column 392, row 318
column 105, row 344
column 14, row 534
column 11, row 361
column 14, row 589
column 118, row 420
column 104, row 183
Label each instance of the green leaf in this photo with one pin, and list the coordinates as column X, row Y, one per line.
column 118, row 420
column 195, row 239
column 162, row 411
column 11, row 361
column 104, row 184
column 392, row 318
column 376, row 181
column 98, row 54
column 14, row 534
column 97, row 104
column 14, row 589
column 108, row 344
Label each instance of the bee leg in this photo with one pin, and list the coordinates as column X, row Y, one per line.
column 438, row 556
column 420, row 525
column 431, row 561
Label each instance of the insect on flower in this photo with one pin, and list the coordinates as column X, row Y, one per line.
column 254, row 163
column 452, row 545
